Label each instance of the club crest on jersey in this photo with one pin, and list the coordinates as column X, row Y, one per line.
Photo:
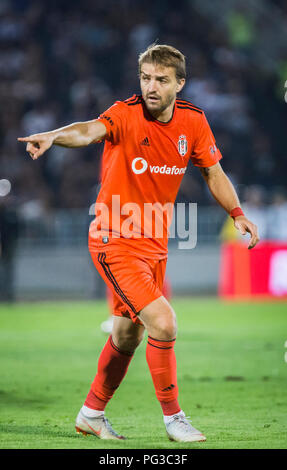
column 182, row 145
column 212, row 149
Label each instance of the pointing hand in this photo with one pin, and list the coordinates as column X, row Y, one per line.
column 37, row 144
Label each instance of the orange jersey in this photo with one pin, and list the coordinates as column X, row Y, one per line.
column 144, row 161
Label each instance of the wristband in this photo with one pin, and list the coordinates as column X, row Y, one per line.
column 236, row 212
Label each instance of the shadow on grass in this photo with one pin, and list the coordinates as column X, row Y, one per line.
column 14, row 398
column 43, row 430
column 55, row 436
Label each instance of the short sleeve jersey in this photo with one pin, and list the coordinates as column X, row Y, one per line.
column 144, row 161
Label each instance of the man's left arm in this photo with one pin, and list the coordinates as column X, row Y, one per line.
column 224, row 193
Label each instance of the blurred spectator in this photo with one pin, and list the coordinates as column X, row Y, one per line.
column 254, row 207
column 9, row 230
column 277, row 216
column 39, row 119
column 240, row 27
column 263, row 161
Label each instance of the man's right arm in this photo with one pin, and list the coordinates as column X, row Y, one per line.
column 78, row 134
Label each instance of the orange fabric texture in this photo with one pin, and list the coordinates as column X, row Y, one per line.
column 112, row 368
column 161, row 360
column 112, row 299
column 144, row 161
column 135, row 281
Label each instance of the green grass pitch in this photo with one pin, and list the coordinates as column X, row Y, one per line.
column 232, row 376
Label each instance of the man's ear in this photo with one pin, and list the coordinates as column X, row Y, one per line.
column 180, row 85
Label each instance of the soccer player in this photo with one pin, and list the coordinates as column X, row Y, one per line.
column 149, row 140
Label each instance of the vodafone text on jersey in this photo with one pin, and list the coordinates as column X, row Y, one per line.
column 140, row 165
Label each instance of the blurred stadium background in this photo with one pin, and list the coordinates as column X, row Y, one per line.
column 61, row 63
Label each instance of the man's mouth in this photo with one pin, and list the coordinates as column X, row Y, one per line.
column 153, row 99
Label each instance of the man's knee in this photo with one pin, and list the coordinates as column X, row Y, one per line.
column 166, row 326
column 127, row 342
column 160, row 320
column 126, row 335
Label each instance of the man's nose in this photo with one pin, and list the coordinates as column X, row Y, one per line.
column 152, row 86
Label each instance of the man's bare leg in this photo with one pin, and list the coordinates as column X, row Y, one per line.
column 126, row 335
column 159, row 319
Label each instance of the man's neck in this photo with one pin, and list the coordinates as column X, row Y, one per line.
column 166, row 114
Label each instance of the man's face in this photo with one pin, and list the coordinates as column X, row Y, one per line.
column 159, row 87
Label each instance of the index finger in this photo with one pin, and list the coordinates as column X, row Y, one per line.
column 24, row 139
column 30, row 138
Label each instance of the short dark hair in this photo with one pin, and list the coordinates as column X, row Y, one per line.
column 164, row 55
